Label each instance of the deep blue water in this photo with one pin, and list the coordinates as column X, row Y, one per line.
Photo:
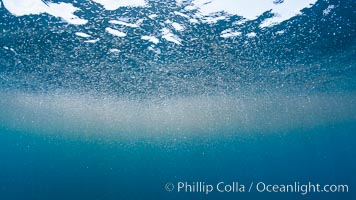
column 81, row 121
column 48, row 167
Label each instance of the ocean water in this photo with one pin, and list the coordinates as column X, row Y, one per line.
column 177, row 99
column 54, row 167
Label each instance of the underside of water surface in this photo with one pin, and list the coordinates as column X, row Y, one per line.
column 115, row 99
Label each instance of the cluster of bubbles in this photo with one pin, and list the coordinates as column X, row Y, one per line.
column 172, row 66
column 157, row 49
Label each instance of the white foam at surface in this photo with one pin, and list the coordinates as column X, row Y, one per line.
column 81, row 34
column 179, row 2
column 285, row 11
column 92, row 41
column 193, row 21
column 169, row 36
column 213, row 20
column 61, row 10
column 115, row 4
column 139, row 21
column 252, row 9
column 251, row 35
column 152, row 39
column 157, row 50
column 328, row 9
column 188, row 8
column 177, row 26
column 25, row 7
column 152, row 16
column 115, row 32
column 181, row 14
column 228, row 33
column 124, row 23
column 247, row 9
column 240, row 22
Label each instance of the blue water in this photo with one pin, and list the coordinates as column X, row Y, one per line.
column 38, row 167
column 79, row 121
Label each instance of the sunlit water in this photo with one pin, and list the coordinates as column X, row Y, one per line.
column 113, row 100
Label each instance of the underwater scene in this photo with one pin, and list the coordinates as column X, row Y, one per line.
column 177, row 99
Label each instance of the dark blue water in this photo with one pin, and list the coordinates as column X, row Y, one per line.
column 49, row 167
column 81, row 121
